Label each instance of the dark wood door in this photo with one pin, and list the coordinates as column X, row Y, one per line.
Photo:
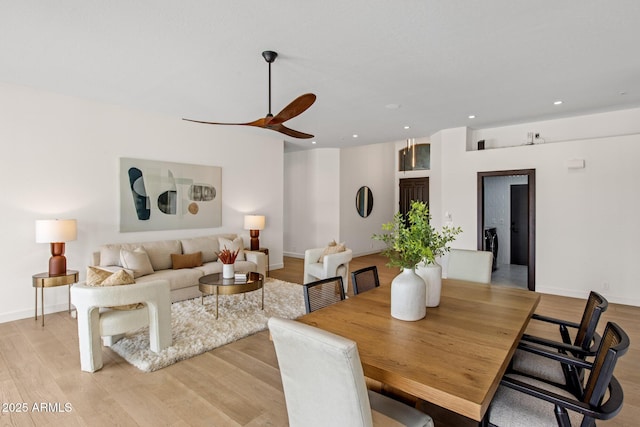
column 413, row 189
column 519, row 224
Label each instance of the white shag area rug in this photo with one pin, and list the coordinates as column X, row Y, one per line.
column 195, row 329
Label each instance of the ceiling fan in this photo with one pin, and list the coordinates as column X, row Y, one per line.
column 295, row 108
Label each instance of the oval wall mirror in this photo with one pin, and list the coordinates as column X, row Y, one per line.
column 364, row 201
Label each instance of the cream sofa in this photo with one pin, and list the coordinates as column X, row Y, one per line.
column 183, row 282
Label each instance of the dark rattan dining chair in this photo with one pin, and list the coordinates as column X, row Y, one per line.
column 584, row 344
column 365, row 279
column 522, row 401
column 322, row 293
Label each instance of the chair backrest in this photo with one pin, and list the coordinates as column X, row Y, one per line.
column 596, row 305
column 473, row 266
column 321, row 375
column 322, row 293
column 613, row 345
column 365, row 279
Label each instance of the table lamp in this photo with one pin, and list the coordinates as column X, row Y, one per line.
column 56, row 232
column 254, row 223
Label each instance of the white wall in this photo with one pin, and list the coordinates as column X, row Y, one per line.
column 320, row 190
column 60, row 160
column 312, row 202
column 590, row 126
column 587, row 231
column 371, row 166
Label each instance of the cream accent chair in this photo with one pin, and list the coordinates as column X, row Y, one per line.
column 333, row 265
column 94, row 323
column 324, row 383
column 473, row 266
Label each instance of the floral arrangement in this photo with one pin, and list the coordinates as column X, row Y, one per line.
column 227, row 256
column 414, row 239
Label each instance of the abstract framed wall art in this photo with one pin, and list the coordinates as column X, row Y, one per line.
column 158, row 195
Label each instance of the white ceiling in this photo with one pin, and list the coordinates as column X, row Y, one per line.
column 506, row 61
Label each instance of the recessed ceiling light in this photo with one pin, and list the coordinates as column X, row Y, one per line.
column 558, row 102
column 355, row 135
column 471, row 116
column 407, row 127
column 313, row 142
column 392, row 106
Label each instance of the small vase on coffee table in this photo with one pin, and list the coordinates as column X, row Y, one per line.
column 228, row 271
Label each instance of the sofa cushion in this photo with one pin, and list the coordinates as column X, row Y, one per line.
column 136, row 260
column 160, row 252
column 245, row 267
column 177, row 279
column 233, row 245
column 110, row 253
column 210, row 268
column 208, row 245
column 179, row 261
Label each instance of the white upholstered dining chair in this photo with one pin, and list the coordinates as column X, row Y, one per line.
column 324, row 383
column 473, row 266
column 94, row 322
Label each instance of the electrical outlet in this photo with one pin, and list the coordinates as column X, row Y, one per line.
column 536, row 136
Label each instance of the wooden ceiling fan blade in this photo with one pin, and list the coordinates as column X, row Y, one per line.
column 295, row 108
column 259, row 123
column 287, row 131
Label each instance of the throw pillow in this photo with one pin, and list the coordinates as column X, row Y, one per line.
column 332, row 248
column 186, row 260
column 233, row 245
column 95, row 276
column 136, row 260
column 99, row 277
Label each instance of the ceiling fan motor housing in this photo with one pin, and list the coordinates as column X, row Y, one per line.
column 269, row 56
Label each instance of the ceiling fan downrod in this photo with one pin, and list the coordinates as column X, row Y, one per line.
column 269, row 56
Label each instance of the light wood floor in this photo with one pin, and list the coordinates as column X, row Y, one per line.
column 235, row 385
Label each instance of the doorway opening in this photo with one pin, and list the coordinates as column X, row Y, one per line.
column 413, row 189
column 506, row 224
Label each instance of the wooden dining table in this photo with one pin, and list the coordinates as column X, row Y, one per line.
column 453, row 358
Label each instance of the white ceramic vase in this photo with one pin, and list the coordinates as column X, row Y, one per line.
column 432, row 276
column 407, row 296
column 228, row 271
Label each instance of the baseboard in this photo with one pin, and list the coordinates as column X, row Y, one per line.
column 293, row 255
column 29, row 313
column 583, row 294
column 276, row 266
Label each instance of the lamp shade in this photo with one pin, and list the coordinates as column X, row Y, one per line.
column 254, row 222
column 56, row 230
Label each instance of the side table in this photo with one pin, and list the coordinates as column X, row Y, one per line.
column 43, row 280
column 266, row 252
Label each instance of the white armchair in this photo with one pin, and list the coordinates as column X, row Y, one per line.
column 112, row 324
column 332, row 265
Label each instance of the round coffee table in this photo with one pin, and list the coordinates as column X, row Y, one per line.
column 214, row 284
